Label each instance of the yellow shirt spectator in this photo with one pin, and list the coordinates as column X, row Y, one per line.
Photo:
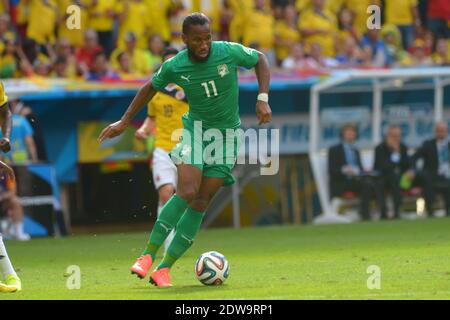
column 42, row 20
column 285, row 33
column 158, row 17
column 399, row 12
column 139, row 62
column 168, row 106
column 101, row 15
column 75, row 36
column 134, row 19
column 359, row 8
column 325, row 21
column 2, row 6
column 241, row 9
column 259, row 27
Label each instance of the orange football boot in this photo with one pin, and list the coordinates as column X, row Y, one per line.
column 161, row 278
column 142, row 266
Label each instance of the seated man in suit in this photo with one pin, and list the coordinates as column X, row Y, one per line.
column 435, row 174
column 345, row 170
column 391, row 162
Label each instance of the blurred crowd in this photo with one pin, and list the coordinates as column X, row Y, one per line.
column 123, row 39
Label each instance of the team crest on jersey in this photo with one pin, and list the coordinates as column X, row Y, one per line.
column 223, row 70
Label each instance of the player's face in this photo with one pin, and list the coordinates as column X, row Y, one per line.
column 198, row 41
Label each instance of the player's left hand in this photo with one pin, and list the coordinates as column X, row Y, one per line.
column 5, row 145
column 113, row 130
column 5, row 169
column 263, row 112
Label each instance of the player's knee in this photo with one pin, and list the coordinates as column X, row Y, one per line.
column 188, row 194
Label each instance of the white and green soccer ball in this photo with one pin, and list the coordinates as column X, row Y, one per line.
column 212, row 268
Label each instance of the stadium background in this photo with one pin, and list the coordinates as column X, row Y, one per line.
column 49, row 68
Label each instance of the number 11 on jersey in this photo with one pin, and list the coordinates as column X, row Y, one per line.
column 213, row 85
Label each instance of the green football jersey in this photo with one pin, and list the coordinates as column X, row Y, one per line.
column 211, row 87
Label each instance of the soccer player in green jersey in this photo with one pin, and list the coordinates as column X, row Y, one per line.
column 207, row 71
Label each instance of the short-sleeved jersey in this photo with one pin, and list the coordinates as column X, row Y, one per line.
column 168, row 106
column 211, row 87
column 3, row 96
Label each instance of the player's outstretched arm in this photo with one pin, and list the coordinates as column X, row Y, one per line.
column 144, row 95
column 263, row 111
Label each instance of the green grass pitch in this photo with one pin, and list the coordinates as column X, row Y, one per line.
column 306, row 262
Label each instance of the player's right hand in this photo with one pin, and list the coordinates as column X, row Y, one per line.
column 113, row 130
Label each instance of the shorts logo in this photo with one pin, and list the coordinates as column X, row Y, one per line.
column 222, row 70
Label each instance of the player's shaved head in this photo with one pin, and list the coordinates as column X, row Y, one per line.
column 197, row 36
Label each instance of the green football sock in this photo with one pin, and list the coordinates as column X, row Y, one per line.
column 169, row 216
column 187, row 229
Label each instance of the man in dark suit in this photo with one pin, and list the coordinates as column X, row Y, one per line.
column 435, row 174
column 345, row 170
column 391, row 162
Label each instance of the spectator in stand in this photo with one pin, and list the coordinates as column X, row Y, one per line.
column 241, row 10
column 139, row 62
column 226, row 16
column 259, row 28
column 419, row 56
column 42, row 18
column 133, row 17
column 286, row 33
column 378, row 48
column 101, row 69
column 315, row 52
column 438, row 17
column 318, row 25
column 403, row 14
column 297, row 61
column 435, row 175
column 61, row 68
column 442, row 55
column 350, row 55
column 346, row 26
column 396, row 55
column 359, row 11
column 41, row 68
column 101, row 18
column 85, row 55
column 9, row 60
column 6, row 32
column 64, row 49
column 159, row 12
column 124, row 70
column 154, row 51
column 75, row 36
column 391, row 163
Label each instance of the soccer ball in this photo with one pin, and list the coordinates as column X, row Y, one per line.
column 212, row 268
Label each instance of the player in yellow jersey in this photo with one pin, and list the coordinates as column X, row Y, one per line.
column 164, row 114
column 10, row 282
